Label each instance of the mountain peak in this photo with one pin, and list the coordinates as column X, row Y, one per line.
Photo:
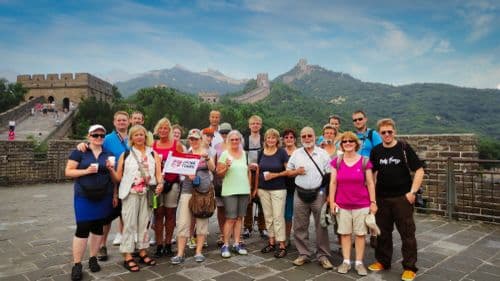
column 180, row 67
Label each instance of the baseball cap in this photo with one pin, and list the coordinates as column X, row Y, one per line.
column 372, row 225
column 194, row 133
column 325, row 217
column 96, row 127
column 225, row 128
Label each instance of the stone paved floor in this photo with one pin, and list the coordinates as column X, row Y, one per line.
column 38, row 126
column 36, row 228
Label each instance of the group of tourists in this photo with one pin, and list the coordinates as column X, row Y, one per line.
column 363, row 178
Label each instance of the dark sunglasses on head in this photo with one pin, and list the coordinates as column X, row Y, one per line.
column 306, row 136
column 357, row 119
column 388, row 132
column 95, row 136
column 348, row 141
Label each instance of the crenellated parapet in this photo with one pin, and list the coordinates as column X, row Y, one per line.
column 66, row 87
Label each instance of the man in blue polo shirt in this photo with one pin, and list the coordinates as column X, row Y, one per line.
column 369, row 138
column 115, row 142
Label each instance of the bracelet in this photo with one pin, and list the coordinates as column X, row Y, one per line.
column 373, row 202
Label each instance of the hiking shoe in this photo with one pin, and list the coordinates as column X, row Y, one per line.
column 93, row 265
column 173, row 241
column 103, row 254
column 361, row 270
column 246, row 233
column 224, row 251
column 344, row 268
column 177, row 260
column 240, row 249
column 376, row 266
column 192, row 243
column 167, row 250
column 326, row 264
column 199, row 258
column 301, row 260
column 118, row 239
column 76, row 272
column 159, row 252
column 408, row 275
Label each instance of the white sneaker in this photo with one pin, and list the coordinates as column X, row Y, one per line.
column 152, row 241
column 118, row 239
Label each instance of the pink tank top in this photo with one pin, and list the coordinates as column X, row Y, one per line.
column 164, row 154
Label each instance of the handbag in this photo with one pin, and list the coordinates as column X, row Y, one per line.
column 94, row 192
column 202, row 205
column 307, row 195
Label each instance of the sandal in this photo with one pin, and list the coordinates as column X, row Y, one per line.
column 131, row 265
column 281, row 253
column 147, row 260
column 269, row 248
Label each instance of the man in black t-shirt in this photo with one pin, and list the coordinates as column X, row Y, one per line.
column 396, row 191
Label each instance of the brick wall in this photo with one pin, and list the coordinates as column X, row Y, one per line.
column 477, row 193
column 20, row 164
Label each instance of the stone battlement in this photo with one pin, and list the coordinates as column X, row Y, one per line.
column 65, row 88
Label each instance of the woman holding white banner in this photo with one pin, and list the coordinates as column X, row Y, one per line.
column 202, row 183
column 232, row 165
column 165, row 213
column 139, row 171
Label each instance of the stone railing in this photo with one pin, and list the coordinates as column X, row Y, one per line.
column 462, row 189
column 18, row 113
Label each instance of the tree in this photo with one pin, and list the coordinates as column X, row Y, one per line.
column 11, row 94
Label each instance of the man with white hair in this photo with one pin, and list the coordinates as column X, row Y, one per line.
column 308, row 164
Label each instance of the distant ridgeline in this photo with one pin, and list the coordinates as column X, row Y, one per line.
column 308, row 94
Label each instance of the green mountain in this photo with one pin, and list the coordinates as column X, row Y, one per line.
column 180, row 78
column 417, row 108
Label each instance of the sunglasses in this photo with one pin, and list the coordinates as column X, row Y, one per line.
column 389, row 132
column 348, row 141
column 357, row 119
column 306, row 136
column 95, row 136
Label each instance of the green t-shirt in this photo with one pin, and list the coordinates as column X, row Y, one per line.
column 236, row 179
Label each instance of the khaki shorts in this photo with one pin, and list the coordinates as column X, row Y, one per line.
column 184, row 218
column 352, row 221
column 169, row 200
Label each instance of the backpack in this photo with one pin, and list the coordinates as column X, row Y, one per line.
column 202, row 205
column 364, row 163
column 369, row 136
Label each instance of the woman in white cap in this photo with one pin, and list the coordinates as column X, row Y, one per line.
column 352, row 193
column 203, row 185
column 93, row 197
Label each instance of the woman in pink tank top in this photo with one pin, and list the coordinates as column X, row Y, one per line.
column 165, row 213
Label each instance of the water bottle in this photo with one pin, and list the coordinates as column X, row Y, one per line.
column 155, row 201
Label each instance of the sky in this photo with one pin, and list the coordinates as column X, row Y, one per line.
column 388, row 41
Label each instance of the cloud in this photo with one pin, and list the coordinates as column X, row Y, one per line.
column 443, row 46
column 481, row 17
